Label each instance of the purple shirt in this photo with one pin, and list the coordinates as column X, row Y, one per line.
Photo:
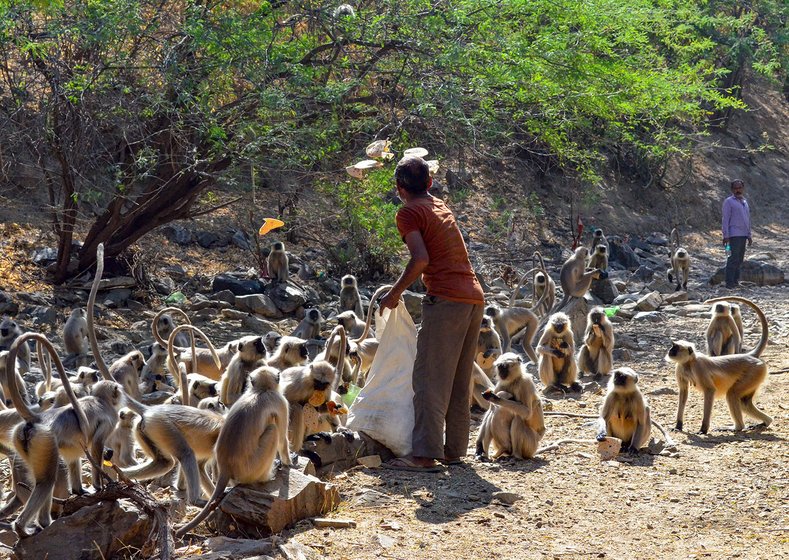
column 736, row 218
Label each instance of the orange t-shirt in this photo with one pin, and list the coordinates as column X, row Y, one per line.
column 449, row 274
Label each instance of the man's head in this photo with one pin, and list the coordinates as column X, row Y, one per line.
column 738, row 188
column 413, row 175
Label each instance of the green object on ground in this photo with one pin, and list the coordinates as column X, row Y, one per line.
column 611, row 311
column 350, row 396
column 175, row 297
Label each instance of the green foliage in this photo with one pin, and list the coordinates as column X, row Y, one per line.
column 148, row 102
column 365, row 217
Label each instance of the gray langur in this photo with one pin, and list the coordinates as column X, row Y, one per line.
column 75, row 333
column 514, row 423
column 352, row 324
column 350, row 300
column 290, row 351
column 723, row 335
column 60, row 432
column 121, row 440
column 737, row 376
column 575, row 278
column 277, row 263
column 625, row 412
column 513, row 323
column 556, row 347
column 680, row 263
column 254, row 433
column 596, row 354
column 599, row 258
column 10, row 330
column 310, row 325
column 598, row 238
column 251, row 355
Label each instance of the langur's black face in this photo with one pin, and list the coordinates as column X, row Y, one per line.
column 720, row 308
column 597, row 317
column 504, row 370
column 319, row 385
column 559, row 326
column 303, row 350
column 313, row 315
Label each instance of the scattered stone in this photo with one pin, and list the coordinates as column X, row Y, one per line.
column 286, row 297
column 413, row 303
column 258, row 303
column 237, row 286
column 45, row 256
column 658, row 239
column 103, row 530
column 662, row 285
column 164, row 285
column 676, row 297
column 224, row 548
column 386, row 541
column 643, row 274
column 241, row 240
column 116, row 298
column 649, row 302
column 44, row 315
column 651, row 316
column 370, row 461
column 609, row 448
column 211, row 240
column 605, row 290
column 370, row 497
column 622, row 355
column 120, row 347
column 507, row 498
column 622, row 253
column 178, row 234
column 760, row 273
column 257, row 325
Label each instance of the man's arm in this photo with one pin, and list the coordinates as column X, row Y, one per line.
column 413, row 269
column 725, row 221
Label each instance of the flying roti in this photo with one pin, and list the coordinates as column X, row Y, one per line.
column 416, row 152
column 269, row 224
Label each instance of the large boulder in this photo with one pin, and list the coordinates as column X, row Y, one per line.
column 620, row 252
column 760, row 273
column 605, row 290
column 238, row 286
column 286, row 297
column 259, row 304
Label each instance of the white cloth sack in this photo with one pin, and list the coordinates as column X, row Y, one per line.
column 384, row 409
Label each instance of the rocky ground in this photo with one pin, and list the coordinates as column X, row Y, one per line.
column 718, row 496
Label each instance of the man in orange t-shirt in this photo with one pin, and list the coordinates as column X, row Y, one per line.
column 451, row 317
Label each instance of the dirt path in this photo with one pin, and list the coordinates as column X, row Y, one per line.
column 724, row 495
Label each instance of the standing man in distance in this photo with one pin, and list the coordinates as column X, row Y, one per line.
column 736, row 226
column 451, row 317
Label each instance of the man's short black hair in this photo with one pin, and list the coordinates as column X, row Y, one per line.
column 413, row 175
column 737, row 182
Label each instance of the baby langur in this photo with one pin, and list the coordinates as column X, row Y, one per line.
column 126, row 371
column 599, row 258
column 598, row 239
column 488, row 345
column 310, row 326
column 310, row 384
column 737, row 316
column 254, row 433
column 251, row 355
column 165, row 325
column 480, row 382
column 738, row 376
column 154, row 375
column 9, row 332
column 277, row 262
column 5, row 392
column 75, row 333
column 680, row 263
column 557, row 365
column 625, row 412
column 290, row 351
column 121, row 440
column 352, row 324
column 723, row 336
column 596, row 354
column 271, row 340
column 512, row 323
column 514, row 422
column 544, row 291
column 350, row 300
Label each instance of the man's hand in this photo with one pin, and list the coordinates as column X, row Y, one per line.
column 750, row 242
column 390, row 300
column 725, row 241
